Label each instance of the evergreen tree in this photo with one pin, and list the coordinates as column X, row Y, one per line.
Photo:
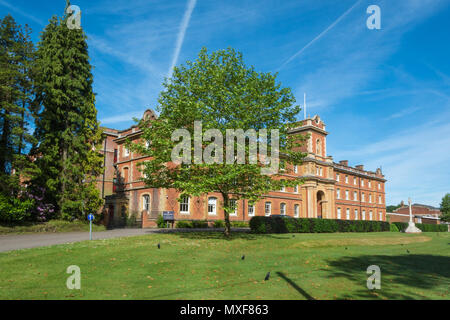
column 16, row 57
column 66, row 128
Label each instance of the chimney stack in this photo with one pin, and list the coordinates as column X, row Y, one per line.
column 344, row 162
column 360, row 167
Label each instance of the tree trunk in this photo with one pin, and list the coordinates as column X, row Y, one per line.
column 226, row 202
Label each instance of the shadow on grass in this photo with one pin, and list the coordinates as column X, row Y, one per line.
column 416, row 272
column 295, row 286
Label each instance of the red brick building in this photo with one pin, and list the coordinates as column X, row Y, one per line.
column 421, row 214
column 331, row 190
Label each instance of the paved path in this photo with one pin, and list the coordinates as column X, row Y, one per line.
column 26, row 241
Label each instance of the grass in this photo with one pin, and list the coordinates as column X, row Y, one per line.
column 52, row 226
column 207, row 266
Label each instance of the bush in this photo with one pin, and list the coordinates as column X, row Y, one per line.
column 15, row 210
column 310, row 225
column 160, row 222
column 394, row 228
column 200, row 224
column 219, row 224
column 401, row 226
column 432, row 227
column 182, row 224
column 239, row 224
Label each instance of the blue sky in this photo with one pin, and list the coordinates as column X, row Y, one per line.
column 383, row 94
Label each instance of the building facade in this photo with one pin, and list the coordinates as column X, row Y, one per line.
column 330, row 190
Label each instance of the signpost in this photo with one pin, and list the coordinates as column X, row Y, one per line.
column 169, row 216
column 90, row 218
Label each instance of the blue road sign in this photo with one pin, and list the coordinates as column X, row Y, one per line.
column 91, row 217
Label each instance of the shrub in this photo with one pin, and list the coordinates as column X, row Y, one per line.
column 401, row 226
column 393, row 228
column 15, row 210
column 432, row 227
column 219, row 224
column 183, row 224
column 199, row 224
column 160, row 222
column 239, row 224
column 311, row 225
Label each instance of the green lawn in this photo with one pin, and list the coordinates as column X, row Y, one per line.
column 206, row 266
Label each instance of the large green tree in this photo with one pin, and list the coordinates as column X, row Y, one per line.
column 445, row 208
column 17, row 54
column 66, row 128
column 221, row 92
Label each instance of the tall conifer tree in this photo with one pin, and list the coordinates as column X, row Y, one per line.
column 17, row 53
column 67, row 128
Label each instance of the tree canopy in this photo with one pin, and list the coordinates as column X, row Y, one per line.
column 216, row 95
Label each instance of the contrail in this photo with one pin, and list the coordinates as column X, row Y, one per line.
column 331, row 26
column 181, row 34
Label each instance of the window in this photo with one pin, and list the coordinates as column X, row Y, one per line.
column 364, row 214
column 318, row 146
column 184, row 205
column 233, row 204
column 126, row 152
column 356, row 214
column 321, row 171
column 125, row 175
column 370, row 184
column 370, row 198
column 212, row 206
column 339, row 213
column 347, row 215
column 268, row 209
column 251, row 210
column 283, row 189
column 296, row 210
column 338, row 193
column 295, row 169
column 296, row 189
column 362, row 182
column 147, row 144
column 355, row 181
column 370, row 215
column 363, row 198
column 346, row 195
column 346, row 179
column 146, row 202
column 379, row 186
column 317, row 171
column 337, row 177
column 283, row 208
column 355, row 195
column 379, row 199
column 380, row 214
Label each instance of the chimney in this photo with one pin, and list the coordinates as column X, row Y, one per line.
column 344, row 162
column 360, row 167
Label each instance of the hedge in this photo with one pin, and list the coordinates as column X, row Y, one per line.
column 424, row 227
column 196, row 224
column 432, row 227
column 310, row 225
